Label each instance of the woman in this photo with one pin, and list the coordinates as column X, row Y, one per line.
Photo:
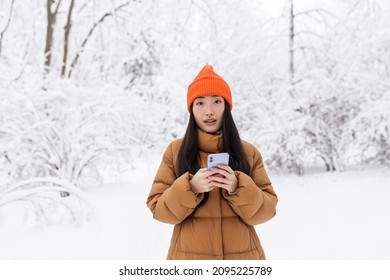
column 213, row 211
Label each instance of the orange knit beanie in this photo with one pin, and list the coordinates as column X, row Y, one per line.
column 207, row 82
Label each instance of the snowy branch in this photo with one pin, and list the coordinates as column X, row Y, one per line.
column 74, row 61
column 4, row 29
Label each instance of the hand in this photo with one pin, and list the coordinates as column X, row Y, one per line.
column 224, row 177
column 201, row 181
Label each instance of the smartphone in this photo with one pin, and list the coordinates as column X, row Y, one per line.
column 213, row 160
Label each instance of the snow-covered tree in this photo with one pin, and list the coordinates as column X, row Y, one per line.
column 87, row 86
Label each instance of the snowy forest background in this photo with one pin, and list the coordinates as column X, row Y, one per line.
column 92, row 89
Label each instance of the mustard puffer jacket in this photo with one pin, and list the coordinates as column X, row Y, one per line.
column 222, row 228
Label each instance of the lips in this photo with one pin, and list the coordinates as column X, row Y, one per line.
column 210, row 121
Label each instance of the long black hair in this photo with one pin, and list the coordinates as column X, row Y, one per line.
column 188, row 161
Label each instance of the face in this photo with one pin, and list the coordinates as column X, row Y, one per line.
column 208, row 112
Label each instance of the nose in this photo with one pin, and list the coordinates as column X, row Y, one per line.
column 209, row 111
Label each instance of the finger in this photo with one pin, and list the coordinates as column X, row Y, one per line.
column 204, row 174
column 209, row 182
column 220, row 171
column 208, row 187
column 227, row 168
column 208, row 174
column 219, row 179
column 220, row 185
column 202, row 170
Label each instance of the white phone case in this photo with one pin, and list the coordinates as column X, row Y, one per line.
column 214, row 159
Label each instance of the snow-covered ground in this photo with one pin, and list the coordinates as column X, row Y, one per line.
column 320, row 216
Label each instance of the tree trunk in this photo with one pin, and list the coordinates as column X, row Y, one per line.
column 291, row 45
column 51, row 21
column 68, row 26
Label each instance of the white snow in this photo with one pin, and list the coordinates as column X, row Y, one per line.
column 319, row 216
column 126, row 99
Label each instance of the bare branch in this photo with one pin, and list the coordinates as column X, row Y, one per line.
column 208, row 15
column 7, row 25
column 74, row 62
column 317, row 11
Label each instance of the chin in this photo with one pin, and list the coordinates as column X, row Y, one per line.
column 210, row 129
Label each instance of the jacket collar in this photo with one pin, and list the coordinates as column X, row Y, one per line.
column 209, row 143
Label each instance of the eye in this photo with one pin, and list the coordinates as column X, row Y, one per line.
column 198, row 103
column 218, row 101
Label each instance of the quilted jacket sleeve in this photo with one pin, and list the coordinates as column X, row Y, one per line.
column 255, row 200
column 171, row 199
